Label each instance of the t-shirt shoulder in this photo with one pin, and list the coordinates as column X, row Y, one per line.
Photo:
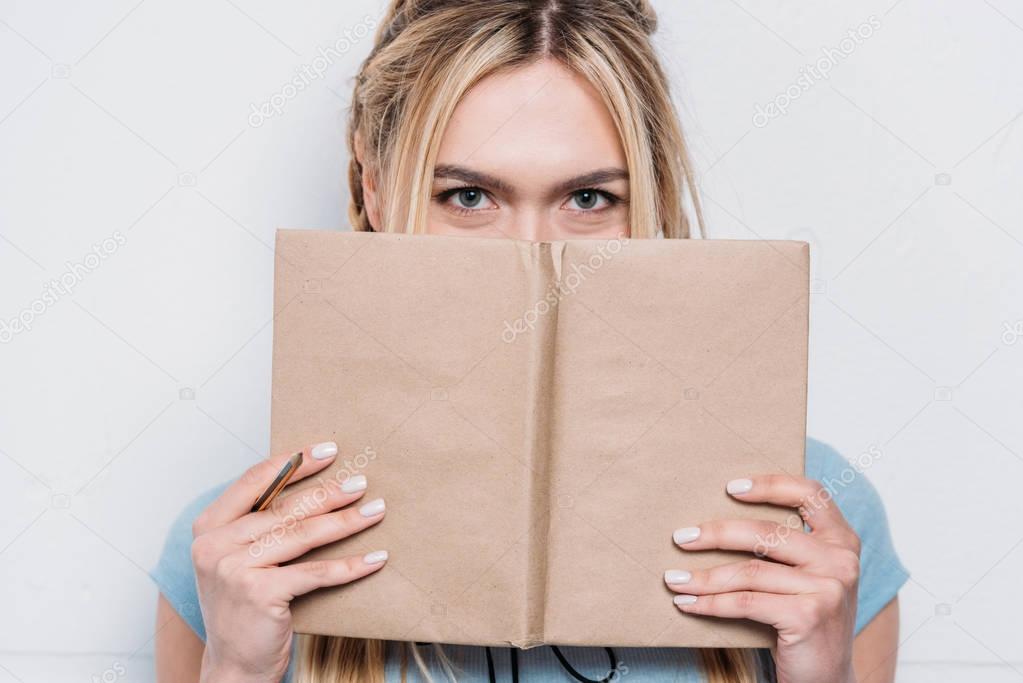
column 173, row 573
column 882, row 574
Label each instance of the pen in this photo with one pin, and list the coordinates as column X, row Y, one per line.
column 279, row 482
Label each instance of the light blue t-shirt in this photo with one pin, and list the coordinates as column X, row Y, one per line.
column 881, row 576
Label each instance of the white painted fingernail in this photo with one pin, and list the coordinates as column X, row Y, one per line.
column 686, row 534
column 372, row 508
column 375, row 557
column 739, row 486
column 354, row 483
column 677, row 576
column 322, row 451
column 684, row 600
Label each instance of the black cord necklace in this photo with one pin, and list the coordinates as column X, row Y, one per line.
column 578, row 676
column 514, row 654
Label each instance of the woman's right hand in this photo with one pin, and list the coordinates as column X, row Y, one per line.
column 244, row 594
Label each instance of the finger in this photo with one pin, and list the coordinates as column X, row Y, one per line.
column 313, row 532
column 302, row 577
column 322, row 497
column 767, row 608
column 238, row 498
column 749, row 575
column 784, row 543
column 814, row 500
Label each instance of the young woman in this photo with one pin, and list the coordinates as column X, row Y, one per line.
column 536, row 120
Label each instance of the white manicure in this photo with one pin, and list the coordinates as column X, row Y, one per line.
column 354, row 483
column 372, row 508
column 677, row 576
column 322, row 451
column 739, row 486
column 375, row 557
column 686, row 534
column 684, row 599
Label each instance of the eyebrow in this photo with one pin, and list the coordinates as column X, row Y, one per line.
column 468, row 175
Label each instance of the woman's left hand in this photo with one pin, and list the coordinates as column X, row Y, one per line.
column 805, row 585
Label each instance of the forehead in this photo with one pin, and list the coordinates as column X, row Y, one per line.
column 536, row 123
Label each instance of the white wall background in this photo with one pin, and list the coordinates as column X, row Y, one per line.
column 903, row 169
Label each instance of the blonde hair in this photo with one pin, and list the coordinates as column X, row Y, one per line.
column 427, row 55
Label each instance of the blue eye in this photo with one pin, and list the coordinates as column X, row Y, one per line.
column 466, row 199
column 586, row 199
column 469, row 198
column 591, row 200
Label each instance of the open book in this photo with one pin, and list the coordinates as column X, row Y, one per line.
column 539, row 418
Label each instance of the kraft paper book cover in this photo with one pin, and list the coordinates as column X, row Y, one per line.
column 539, row 418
